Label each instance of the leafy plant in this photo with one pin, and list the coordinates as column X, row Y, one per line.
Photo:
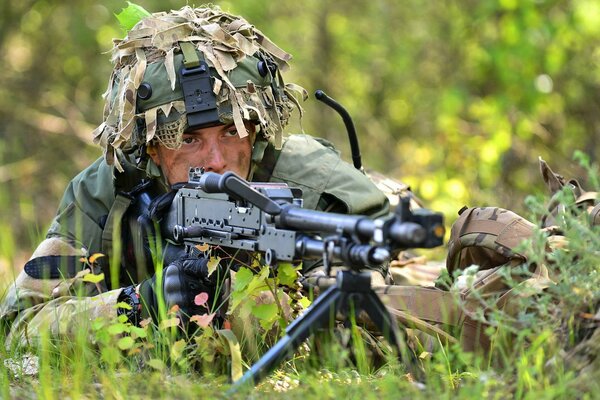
column 131, row 15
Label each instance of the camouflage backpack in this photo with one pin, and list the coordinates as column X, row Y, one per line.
column 490, row 238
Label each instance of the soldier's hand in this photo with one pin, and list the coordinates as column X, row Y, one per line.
column 182, row 281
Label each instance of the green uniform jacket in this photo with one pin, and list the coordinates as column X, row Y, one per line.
column 328, row 183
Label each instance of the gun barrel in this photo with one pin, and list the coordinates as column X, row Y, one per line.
column 353, row 254
column 293, row 217
column 407, row 234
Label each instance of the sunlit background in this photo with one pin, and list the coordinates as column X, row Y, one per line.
column 456, row 98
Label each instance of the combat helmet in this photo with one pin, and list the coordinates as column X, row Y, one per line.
column 188, row 69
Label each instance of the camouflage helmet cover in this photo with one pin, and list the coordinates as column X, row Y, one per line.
column 152, row 54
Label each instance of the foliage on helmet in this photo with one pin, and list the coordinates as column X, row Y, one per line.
column 151, row 55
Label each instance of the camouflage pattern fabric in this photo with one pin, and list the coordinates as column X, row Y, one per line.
column 487, row 237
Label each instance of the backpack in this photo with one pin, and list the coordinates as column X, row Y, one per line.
column 491, row 238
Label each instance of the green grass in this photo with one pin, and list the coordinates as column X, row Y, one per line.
column 548, row 349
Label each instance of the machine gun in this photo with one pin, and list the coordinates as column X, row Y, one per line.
column 227, row 211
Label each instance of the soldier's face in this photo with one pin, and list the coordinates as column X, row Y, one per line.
column 216, row 149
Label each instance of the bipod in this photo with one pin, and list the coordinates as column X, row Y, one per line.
column 351, row 291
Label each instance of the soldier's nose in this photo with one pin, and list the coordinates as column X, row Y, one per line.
column 215, row 160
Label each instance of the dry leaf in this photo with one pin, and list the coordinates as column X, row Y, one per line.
column 202, row 247
column 94, row 257
column 203, row 320
column 587, row 316
column 145, row 322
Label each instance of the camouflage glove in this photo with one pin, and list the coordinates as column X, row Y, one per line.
column 183, row 280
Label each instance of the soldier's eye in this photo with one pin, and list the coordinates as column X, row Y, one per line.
column 189, row 139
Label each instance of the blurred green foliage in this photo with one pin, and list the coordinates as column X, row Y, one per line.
column 456, row 98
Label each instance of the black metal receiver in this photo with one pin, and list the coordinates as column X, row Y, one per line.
column 228, row 211
column 268, row 218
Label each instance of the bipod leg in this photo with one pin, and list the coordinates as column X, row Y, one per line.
column 319, row 315
column 350, row 287
column 356, row 288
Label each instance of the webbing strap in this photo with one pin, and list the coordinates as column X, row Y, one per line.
column 595, row 215
column 420, row 308
column 190, row 56
column 506, row 234
column 483, row 226
column 510, row 235
column 54, row 267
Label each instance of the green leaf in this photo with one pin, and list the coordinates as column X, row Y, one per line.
column 123, row 305
column 117, row 329
column 234, row 351
column 131, row 15
column 177, row 349
column 286, row 273
column 137, row 332
column 236, row 299
column 157, row 364
column 125, row 342
column 98, row 323
column 168, row 323
column 93, row 278
column 258, row 282
column 245, row 309
column 242, row 278
column 304, row 302
column 266, row 314
column 110, row 355
column 248, row 286
column 265, row 311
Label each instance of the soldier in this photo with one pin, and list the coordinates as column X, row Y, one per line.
column 189, row 88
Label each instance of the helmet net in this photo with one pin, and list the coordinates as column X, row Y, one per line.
column 225, row 41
